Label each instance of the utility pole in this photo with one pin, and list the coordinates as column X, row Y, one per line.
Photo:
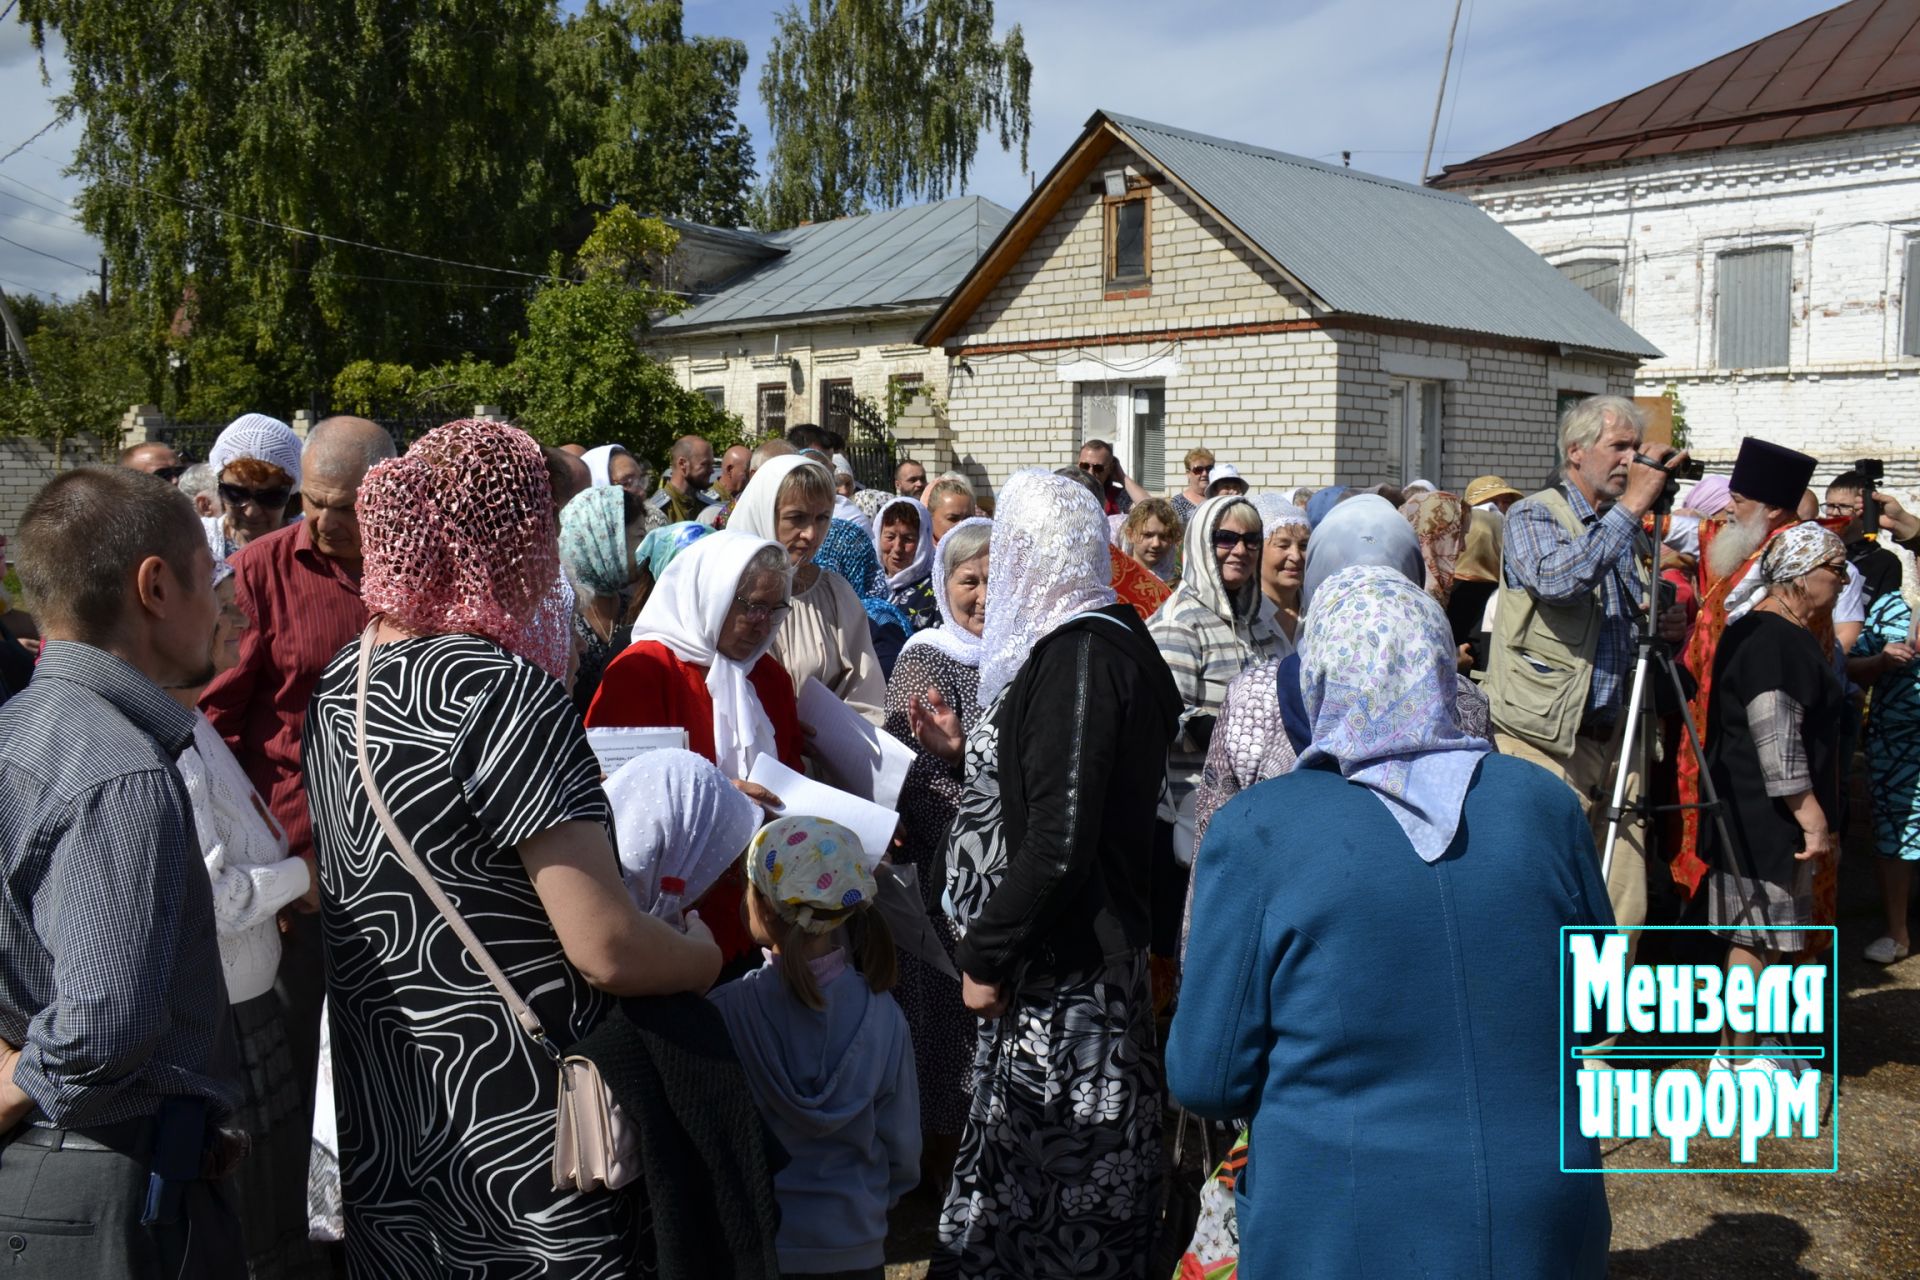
column 1446, row 64
column 16, row 339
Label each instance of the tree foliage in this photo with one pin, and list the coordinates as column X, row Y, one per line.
column 578, row 375
column 454, row 131
column 89, row 365
column 882, row 101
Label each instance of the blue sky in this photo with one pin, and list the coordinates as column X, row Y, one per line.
column 1310, row 78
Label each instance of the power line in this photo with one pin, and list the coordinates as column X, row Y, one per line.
column 36, row 133
column 56, row 257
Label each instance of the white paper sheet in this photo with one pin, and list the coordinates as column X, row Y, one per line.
column 869, row 762
column 616, row 746
column 802, row 795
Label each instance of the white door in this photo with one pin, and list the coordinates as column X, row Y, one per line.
column 1413, row 429
column 1130, row 416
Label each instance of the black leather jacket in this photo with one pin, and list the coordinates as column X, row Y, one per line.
column 1083, row 757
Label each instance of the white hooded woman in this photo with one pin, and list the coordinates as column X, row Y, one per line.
column 1058, row 1170
column 790, row 501
column 1212, row 629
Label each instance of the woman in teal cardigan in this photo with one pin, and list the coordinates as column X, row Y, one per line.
column 1380, row 989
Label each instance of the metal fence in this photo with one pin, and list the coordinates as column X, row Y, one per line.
column 870, row 443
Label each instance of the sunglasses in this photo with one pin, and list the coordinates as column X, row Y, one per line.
column 1201, row 471
column 753, row 612
column 234, row 495
column 1225, row 540
column 171, row 474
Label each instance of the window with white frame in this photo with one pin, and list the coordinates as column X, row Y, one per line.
column 1132, row 417
column 1413, row 429
column 1753, row 299
column 1600, row 277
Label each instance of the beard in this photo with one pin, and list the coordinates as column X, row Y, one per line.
column 1735, row 543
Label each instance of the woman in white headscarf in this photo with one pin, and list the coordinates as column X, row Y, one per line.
column 903, row 539
column 256, row 463
column 1209, row 632
column 1283, row 566
column 612, row 464
column 790, row 501
column 677, row 816
column 1378, row 916
column 700, row 661
column 937, row 677
column 1058, row 1172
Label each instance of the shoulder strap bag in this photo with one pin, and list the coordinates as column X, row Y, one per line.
column 594, row 1145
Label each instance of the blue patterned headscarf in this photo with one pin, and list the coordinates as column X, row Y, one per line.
column 848, row 551
column 593, row 540
column 1377, row 671
column 657, row 550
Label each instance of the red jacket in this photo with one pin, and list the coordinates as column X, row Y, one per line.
column 648, row 686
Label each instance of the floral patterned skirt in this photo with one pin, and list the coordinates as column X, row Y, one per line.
column 1059, row 1167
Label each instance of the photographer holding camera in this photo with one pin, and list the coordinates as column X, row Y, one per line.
column 1573, row 583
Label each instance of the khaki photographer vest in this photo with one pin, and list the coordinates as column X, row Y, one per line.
column 1541, row 665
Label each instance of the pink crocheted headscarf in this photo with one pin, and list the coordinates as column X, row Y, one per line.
column 459, row 537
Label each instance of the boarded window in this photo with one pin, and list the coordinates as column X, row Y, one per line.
column 1753, row 308
column 1600, row 277
column 771, row 410
column 1910, row 335
column 715, row 396
column 1129, row 253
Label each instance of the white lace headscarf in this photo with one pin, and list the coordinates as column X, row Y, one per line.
column 1050, row 562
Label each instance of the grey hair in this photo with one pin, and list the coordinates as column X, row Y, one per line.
column 964, row 544
column 768, row 451
column 86, row 531
column 1582, row 423
column 198, row 479
column 769, row 561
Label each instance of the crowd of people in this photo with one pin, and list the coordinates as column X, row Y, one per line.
column 1262, row 810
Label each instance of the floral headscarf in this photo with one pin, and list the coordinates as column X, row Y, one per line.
column 657, row 550
column 1051, row 560
column 848, row 551
column 1377, row 672
column 1798, row 550
column 812, row 869
column 1438, row 519
column 593, row 540
column 459, row 537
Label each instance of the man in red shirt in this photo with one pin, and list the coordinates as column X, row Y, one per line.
column 300, row 589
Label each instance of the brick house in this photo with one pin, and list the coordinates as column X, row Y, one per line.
column 1311, row 324
column 1758, row 218
column 785, row 325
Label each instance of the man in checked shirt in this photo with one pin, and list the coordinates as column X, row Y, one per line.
column 1563, row 645
column 118, row 1061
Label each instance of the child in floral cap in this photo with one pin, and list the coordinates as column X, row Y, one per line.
column 825, row 1048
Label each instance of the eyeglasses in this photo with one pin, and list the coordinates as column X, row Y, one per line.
column 1842, row 508
column 1225, row 540
column 170, row 474
column 753, row 611
column 234, row 495
column 1207, row 470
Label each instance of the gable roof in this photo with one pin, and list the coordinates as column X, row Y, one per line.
column 876, row 261
column 1850, row 68
column 1356, row 243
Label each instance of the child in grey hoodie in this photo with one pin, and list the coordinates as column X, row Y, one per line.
column 825, row 1049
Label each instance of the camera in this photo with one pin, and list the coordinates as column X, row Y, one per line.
column 1691, row 469
column 1873, row 471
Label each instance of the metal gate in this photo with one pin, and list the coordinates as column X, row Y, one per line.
column 870, row 443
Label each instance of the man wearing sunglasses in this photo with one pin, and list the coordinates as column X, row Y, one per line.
column 1118, row 490
column 156, row 458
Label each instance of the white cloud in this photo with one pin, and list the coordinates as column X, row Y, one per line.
column 34, row 190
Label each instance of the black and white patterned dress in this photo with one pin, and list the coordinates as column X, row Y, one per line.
column 446, row 1108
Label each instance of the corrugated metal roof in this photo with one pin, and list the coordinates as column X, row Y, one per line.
column 1371, row 246
column 1854, row 67
column 901, row 257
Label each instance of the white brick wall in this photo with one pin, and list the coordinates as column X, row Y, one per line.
column 1846, row 206
column 869, row 353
